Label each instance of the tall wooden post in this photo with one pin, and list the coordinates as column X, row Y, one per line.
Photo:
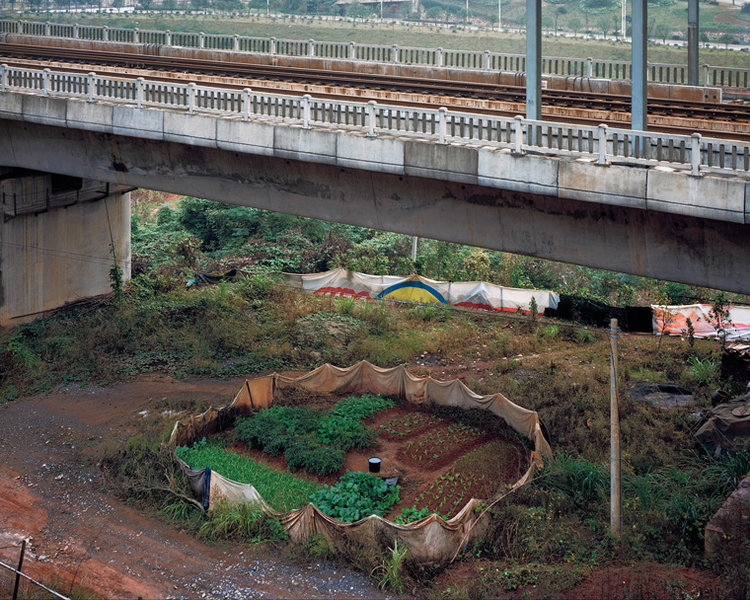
column 615, row 482
column 20, row 568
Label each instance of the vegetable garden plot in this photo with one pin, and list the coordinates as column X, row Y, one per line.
column 441, row 445
column 428, row 540
column 440, row 463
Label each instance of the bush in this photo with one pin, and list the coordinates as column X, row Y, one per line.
column 355, row 496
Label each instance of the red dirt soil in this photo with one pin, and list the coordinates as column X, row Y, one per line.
column 52, row 493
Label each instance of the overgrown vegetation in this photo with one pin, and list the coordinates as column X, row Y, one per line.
column 560, row 369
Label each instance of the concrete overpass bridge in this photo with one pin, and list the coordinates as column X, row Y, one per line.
column 652, row 204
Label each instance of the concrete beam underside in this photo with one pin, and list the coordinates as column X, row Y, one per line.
column 688, row 249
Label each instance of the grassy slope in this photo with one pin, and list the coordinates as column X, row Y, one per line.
column 411, row 36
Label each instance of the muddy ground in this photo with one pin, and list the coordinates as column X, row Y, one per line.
column 52, row 493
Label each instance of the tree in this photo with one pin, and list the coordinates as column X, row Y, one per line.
column 559, row 9
column 435, row 13
column 575, row 24
column 358, row 11
column 595, row 7
column 662, row 30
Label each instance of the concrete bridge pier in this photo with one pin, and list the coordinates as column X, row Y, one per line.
column 56, row 237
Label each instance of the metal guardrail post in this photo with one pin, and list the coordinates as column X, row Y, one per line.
column 442, row 124
column 246, row 104
column 695, row 155
column 371, row 118
column 518, row 135
column 92, row 85
column 139, row 92
column 602, row 145
column 306, row 111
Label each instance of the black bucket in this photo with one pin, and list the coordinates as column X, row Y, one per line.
column 374, row 463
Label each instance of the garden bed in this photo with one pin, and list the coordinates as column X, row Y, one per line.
column 362, row 513
column 440, row 462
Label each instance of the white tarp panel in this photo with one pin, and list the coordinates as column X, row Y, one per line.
column 478, row 295
column 672, row 320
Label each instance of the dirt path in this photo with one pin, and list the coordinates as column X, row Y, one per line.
column 52, row 493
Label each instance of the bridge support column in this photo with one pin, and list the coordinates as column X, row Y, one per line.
column 534, row 59
column 639, row 65
column 56, row 248
column 693, row 33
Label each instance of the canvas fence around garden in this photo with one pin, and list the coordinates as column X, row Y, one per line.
column 428, row 540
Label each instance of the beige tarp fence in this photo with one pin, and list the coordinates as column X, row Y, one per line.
column 478, row 295
column 428, row 540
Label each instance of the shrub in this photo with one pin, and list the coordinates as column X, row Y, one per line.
column 355, row 496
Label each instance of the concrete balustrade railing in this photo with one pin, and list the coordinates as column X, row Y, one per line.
column 602, row 145
column 406, row 55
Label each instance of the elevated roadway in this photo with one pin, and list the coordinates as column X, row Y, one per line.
column 659, row 205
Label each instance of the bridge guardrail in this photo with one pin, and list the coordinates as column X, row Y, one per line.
column 601, row 144
column 406, row 55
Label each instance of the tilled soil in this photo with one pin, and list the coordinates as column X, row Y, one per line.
column 51, row 493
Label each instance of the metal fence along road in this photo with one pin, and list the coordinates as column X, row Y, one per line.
column 406, row 55
column 601, row 144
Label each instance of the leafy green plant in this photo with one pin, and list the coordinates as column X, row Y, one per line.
column 355, row 496
column 306, row 453
column 703, row 371
column 412, row 513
